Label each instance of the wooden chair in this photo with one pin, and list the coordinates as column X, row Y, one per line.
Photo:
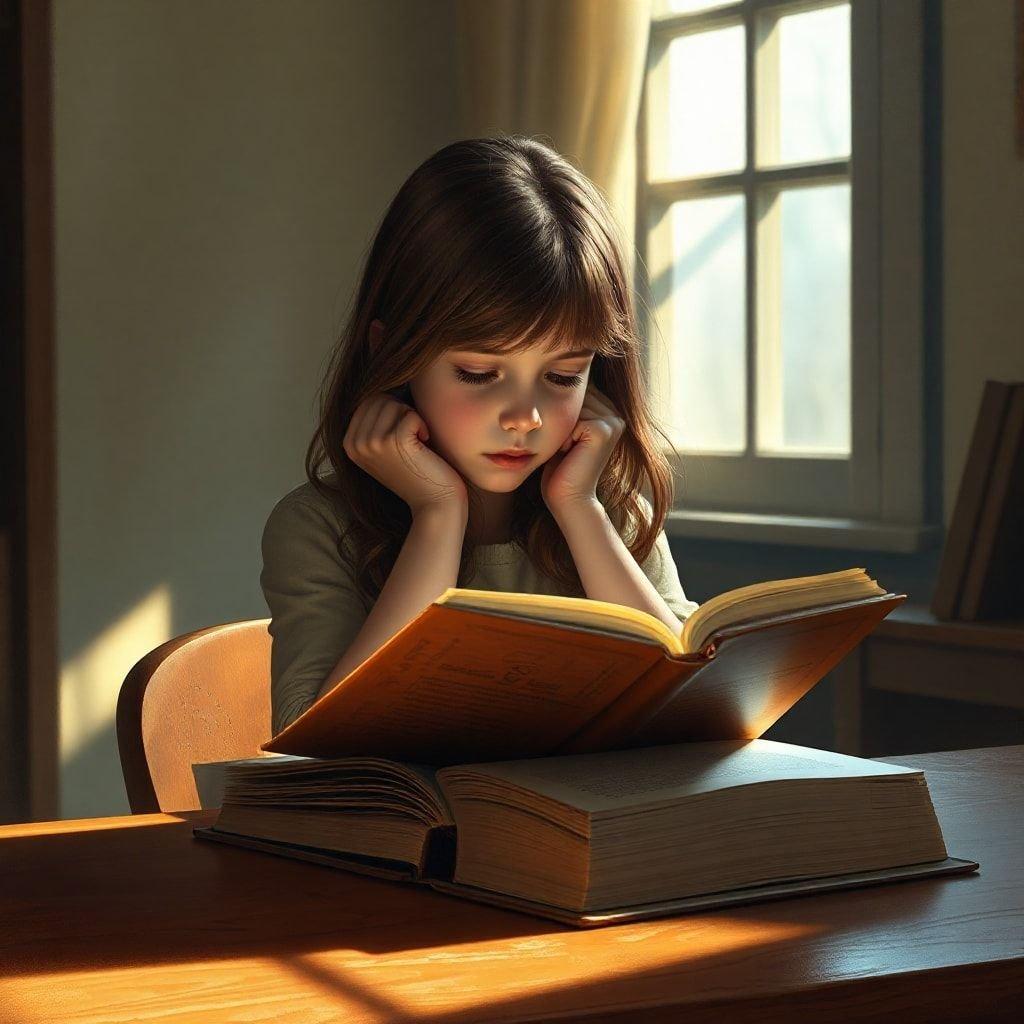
column 203, row 696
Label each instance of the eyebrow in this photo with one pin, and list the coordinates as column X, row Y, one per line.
column 564, row 354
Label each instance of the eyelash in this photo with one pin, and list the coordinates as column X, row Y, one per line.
column 559, row 380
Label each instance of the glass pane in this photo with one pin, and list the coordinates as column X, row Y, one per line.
column 709, row 381
column 814, row 328
column 706, row 131
column 814, row 85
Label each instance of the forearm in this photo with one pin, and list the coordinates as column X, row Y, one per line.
column 607, row 570
column 426, row 566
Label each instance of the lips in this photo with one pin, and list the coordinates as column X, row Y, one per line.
column 509, row 461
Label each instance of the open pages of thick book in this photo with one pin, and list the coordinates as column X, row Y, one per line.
column 460, row 684
column 744, row 604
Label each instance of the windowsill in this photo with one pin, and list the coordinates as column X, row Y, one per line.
column 806, row 531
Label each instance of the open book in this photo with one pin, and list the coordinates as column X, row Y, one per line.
column 598, row 838
column 482, row 675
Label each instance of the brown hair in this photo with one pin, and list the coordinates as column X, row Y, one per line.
column 498, row 242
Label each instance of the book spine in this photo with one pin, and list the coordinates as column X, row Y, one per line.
column 439, row 853
column 613, row 727
column 995, row 508
column 970, row 497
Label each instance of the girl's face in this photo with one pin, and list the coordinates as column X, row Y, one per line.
column 474, row 403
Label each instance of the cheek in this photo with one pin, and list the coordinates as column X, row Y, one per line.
column 462, row 418
column 435, row 402
column 454, row 419
column 565, row 415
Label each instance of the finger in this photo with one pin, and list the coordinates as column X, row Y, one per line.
column 356, row 424
column 363, row 430
column 602, row 397
column 600, row 411
column 414, row 424
column 387, row 418
column 596, row 400
column 376, row 420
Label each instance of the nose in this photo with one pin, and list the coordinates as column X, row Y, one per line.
column 521, row 418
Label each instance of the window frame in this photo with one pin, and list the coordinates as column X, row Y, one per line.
column 876, row 498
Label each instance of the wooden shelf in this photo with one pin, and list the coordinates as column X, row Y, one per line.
column 917, row 623
column 911, row 654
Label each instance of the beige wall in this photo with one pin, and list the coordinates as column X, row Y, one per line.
column 218, row 177
column 984, row 219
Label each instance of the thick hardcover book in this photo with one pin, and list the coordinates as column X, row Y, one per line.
column 482, row 675
column 616, row 915
column 599, row 838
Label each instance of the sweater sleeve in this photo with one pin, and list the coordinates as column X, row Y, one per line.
column 660, row 569
column 315, row 609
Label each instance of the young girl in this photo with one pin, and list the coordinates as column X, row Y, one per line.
column 493, row 314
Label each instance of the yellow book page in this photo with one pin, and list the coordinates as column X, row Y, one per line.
column 742, row 604
column 576, row 611
column 760, row 600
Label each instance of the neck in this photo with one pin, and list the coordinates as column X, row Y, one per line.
column 490, row 517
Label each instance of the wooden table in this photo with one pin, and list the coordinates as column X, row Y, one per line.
column 117, row 919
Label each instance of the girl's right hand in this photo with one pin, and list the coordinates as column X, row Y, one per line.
column 386, row 439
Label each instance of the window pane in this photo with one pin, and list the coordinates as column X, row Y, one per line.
column 709, row 383
column 804, row 401
column 706, row 131
column 814, row 85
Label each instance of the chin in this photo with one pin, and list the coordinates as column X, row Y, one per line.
column 499, row 485
column 498, row 482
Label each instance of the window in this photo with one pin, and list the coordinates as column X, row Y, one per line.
column 779, row 225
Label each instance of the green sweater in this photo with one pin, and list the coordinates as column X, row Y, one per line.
column 316, row 612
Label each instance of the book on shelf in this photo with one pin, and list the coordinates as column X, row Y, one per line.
column 989, row 427
column 993, row 586
column 590, row 839
column 484, row 675
column 577, row 760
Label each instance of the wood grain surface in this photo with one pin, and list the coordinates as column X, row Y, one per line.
column 130, row 918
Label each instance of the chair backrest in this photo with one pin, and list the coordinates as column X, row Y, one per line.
column 203, row 696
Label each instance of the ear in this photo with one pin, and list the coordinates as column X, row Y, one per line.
column 376, row 334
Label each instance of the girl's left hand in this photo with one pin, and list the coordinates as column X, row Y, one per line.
column 571, row 474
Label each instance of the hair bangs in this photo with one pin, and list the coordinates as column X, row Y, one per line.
column 550, row 305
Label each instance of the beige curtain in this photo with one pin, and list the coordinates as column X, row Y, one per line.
column 571, row 70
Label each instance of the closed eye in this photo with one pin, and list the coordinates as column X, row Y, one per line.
column 557, row 379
